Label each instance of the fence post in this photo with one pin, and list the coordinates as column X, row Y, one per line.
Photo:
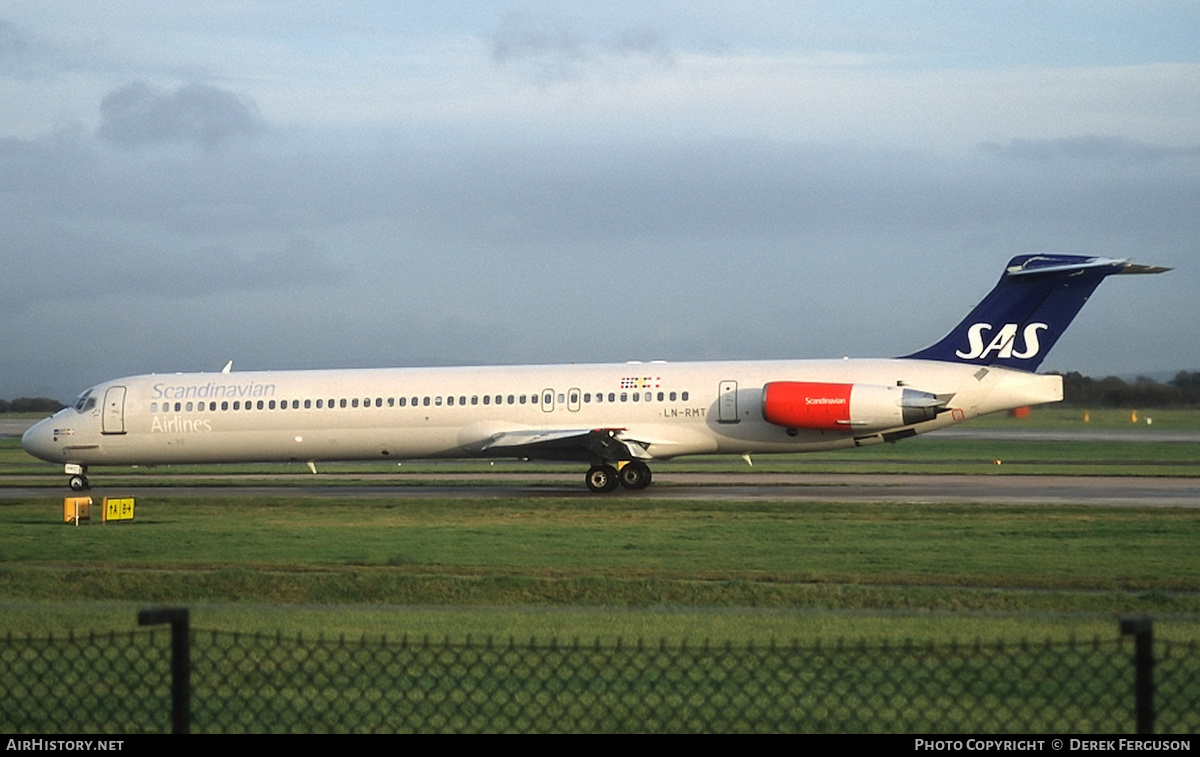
column 1141, row 628
column 181, row 672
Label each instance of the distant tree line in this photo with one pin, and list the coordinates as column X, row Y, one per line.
column 31, row 405
column 1181, row 391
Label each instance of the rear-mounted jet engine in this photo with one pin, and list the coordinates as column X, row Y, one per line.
column 846, row 407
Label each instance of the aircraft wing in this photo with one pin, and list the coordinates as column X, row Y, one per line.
column 568, row 444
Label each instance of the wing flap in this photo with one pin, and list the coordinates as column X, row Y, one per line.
column 567, row 444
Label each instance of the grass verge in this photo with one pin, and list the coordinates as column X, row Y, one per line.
column 530, row 567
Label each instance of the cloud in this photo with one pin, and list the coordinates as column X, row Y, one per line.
column 1087, row 148
column 137, row 115
column 48, row 260
column 12, row 42
column 299, row 263
column 557, row 54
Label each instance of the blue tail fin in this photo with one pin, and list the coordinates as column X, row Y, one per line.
column 1024, row 315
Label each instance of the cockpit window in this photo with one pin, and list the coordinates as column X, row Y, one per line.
column 85, row 402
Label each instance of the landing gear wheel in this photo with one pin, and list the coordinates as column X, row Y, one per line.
column 635, row 475
column 78, row 483
column 602, row 478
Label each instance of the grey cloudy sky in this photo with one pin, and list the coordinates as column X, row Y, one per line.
column 305, row 185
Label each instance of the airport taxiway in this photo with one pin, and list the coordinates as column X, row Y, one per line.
column 894, row 488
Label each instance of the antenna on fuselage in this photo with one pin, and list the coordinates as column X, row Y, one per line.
column 228, row 367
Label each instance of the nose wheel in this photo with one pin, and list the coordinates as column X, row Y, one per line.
column 78, row 480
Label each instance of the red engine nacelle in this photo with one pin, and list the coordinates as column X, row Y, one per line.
column 845, row 407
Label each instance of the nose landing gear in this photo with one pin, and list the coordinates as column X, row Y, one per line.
column 78, row 480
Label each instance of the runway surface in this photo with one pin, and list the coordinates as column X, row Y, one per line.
column 15, row 426
column 1107, row 491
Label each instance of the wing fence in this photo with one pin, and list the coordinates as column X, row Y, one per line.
column 248, row 683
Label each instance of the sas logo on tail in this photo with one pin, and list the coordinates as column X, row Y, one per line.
column 1003, row 343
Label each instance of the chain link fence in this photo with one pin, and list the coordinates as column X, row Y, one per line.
column 247, row 683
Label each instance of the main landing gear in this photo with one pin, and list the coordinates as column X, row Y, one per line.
column 605, row 478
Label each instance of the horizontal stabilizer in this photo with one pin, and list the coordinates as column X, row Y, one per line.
column 1135, row 268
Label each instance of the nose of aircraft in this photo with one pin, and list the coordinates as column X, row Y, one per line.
column 38, row 440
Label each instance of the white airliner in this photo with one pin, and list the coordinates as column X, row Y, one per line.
column 615, row 417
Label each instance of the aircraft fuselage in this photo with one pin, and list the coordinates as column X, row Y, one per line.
column 670, row 409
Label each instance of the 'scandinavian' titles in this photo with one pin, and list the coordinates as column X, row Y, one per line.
column 212, row 390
